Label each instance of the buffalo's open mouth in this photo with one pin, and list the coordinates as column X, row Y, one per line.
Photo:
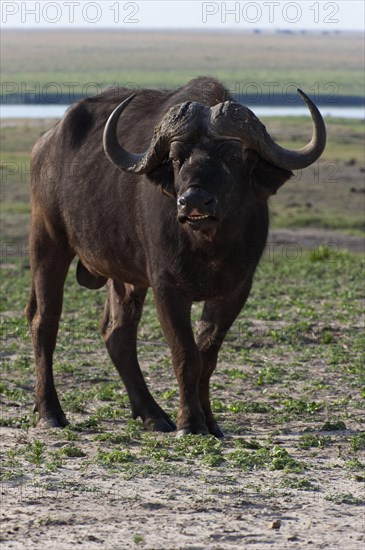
column 199, row 222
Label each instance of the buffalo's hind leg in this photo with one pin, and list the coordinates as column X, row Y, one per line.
column 119, row 324
column 50, row 258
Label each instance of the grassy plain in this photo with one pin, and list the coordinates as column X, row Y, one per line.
column 333, row 63
column 289, row 394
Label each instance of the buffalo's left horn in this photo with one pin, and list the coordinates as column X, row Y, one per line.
column 180, row 120
column 233, row 120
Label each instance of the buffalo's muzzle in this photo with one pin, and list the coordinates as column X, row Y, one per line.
column 196, row 206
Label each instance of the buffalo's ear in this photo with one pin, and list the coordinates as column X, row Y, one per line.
column 163, row 177
column 265, row 178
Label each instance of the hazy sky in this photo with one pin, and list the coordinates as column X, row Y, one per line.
column 247, row 15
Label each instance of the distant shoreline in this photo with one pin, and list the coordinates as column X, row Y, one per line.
column 264, row 100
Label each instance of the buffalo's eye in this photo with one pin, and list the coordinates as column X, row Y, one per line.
column 178, row 153
column 231, row 153
column 175, row 162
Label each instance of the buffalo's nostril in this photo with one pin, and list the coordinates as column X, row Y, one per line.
column 196, row 202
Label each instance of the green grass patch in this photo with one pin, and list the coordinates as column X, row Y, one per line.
column 113, row 457
column 345, row 498
column 73, row 452
column 357, row 442
column 307, row 441
column 301, row 484
column 332, row 426
column 275, row 458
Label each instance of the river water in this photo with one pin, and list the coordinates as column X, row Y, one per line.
column 56, row 111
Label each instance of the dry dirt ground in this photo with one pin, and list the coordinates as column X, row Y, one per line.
column 188, row 505
column 72, row 509
column 183, row 504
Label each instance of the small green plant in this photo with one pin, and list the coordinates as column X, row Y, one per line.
column 302, row 484
column 106, row 392
column 327, row 337
column 138, row 539
column 133, row 429
column 355, row 464
column 25, row 422
column 75, row 401
column 67, row 434
column 218, row 406
column 169, row 394
column 333, row 426
column 12, row 457
column 113, row 438
column 109, row 412
column 269, row 375
column 249, row 407
column 235, row 374
column 54, row 462
column 91, row 423
column 300, row 406
column 12, row 393
column 245, row 444
column 114, row 457
column 312, row 440
column 73, row 452
column 357, row 442
column 322, row 253
column 275, row 458
column 281, row 460
column 207, row 448
column 249, row 460
column 35, row 452
column 345, row 498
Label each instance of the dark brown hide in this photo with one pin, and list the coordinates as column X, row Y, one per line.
column 193, row 227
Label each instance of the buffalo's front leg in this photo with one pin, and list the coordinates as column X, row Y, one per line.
column 174, row 313
column 122, row 313
column 216, row 320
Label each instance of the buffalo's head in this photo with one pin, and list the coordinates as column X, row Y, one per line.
column 208, row 158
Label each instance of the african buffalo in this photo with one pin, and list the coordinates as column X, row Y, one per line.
column 185, row 213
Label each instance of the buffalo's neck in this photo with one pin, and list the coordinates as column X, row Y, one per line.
column 212, row 268
column 242, row 237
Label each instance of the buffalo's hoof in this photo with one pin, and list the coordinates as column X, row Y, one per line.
column 52, row 421
column 188, row 431
column 216, row 431
column 159, row 424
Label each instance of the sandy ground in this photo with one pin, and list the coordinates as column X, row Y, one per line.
column 83, row 505
column 91, row 509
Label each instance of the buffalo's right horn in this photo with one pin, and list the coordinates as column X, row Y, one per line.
column 180, row 120
column 115, row 153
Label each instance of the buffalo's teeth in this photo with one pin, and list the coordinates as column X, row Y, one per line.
column 198, row 217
